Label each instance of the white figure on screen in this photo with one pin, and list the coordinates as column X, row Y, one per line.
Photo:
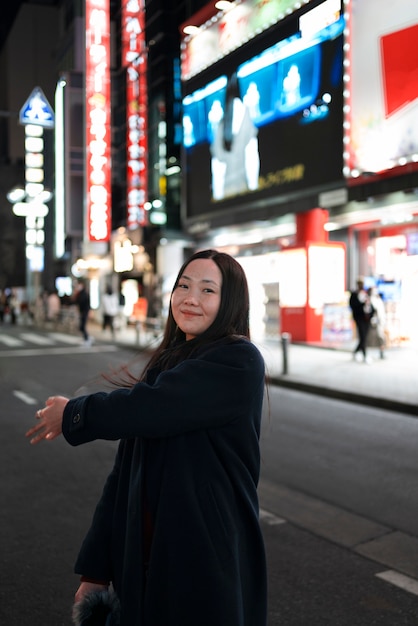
column 291, row 86
column 235, row 158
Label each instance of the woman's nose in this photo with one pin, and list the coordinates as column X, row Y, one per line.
column 190, row 299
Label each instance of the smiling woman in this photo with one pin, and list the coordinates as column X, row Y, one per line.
column 176, row 531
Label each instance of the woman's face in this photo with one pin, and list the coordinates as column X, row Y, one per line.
column 196, row 300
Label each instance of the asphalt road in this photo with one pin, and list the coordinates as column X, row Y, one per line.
column 356, row 457
column 337, row 482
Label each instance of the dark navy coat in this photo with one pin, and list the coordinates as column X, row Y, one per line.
column 188, row 461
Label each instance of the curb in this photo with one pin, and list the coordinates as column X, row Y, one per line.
column 363, row 536
column 347, row 396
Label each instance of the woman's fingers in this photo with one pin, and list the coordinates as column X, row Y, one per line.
column 38, row 432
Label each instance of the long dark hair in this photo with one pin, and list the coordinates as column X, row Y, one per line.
column 231, row 321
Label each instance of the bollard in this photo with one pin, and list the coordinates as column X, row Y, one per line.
column 285, row 351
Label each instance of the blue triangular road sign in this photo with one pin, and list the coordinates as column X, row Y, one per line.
column 37, row 110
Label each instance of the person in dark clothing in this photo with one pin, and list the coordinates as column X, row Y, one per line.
column 82, row 299
column 176, row 531
column 362, row 311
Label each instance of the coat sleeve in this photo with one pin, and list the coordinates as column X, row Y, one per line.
column 200, row 393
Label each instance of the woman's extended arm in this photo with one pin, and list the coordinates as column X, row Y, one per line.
column 199, row 393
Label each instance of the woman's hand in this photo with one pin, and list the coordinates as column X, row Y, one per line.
column 79, row 611
column 85, row 588
column 49, row 424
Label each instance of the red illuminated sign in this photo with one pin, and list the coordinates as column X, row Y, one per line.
column 399, row 58
column 98, row 131
column 134, row 59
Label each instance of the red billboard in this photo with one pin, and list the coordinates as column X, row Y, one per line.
column 382, row 89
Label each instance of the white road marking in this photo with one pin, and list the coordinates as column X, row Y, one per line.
column 25, row 397
column 57, row 351
column 400, row 580
column 63, row 338
column 10, row 341
column 270, row 519
column 41, row 340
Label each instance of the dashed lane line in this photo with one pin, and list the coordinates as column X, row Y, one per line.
column 400, row 580
column 25, row 397
column 270, row 519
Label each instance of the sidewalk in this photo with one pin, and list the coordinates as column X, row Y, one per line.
column 390, row 383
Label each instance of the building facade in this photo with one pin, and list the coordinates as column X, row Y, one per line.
column 282, row 132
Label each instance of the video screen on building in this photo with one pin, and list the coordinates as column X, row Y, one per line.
column 270, row 125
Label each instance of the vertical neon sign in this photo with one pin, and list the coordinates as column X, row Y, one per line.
column 134, row 59
column 98, row 133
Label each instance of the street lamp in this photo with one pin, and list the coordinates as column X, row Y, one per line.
column 17, row 194
column 34, row 210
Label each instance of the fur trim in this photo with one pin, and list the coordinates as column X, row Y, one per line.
column 99, row 608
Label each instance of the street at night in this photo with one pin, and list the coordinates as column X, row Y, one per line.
column 338, row 498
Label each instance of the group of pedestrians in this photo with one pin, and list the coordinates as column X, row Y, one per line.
column 110, row 310
column 368, row 312
column 49, row 309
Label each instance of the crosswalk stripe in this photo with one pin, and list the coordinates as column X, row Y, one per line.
column 63, row 338
column 40, row 340
column 12, row 342
column 46, row 343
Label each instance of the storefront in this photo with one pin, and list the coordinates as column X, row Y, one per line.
column 319, row 141
column 385, row 254
column 390, row 262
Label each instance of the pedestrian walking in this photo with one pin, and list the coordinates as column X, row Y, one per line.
column 176, row 531
column 53, row 309
column 13, row 305
column 82, row 300
column 362, row 311
column 378, row 321
column 110, row 302
column 3, row 305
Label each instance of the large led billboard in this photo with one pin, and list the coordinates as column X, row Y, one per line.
column 270, row 123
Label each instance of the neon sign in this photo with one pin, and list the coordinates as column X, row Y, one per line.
column 134, row 59
column 98, row 133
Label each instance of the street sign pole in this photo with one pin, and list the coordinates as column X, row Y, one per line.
column 36, row 115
